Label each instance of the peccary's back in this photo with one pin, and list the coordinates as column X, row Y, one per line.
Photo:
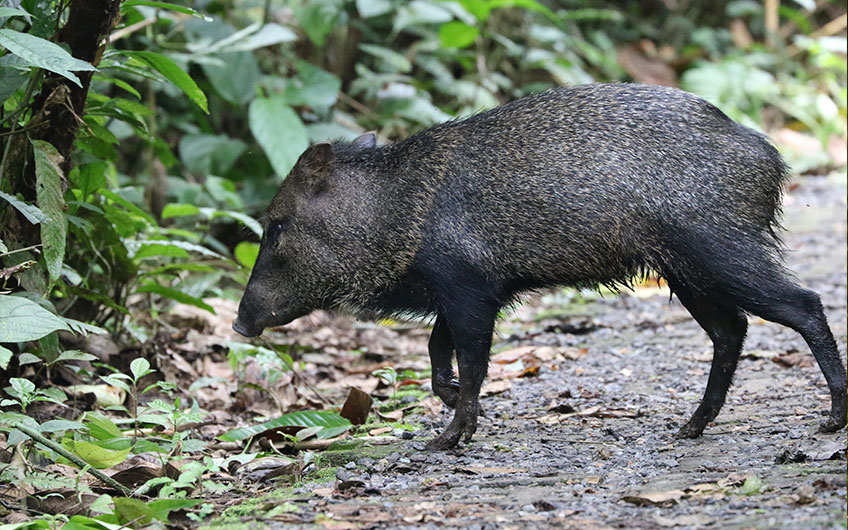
column 589, row 184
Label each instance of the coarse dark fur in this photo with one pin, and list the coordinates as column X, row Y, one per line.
column 584, row 186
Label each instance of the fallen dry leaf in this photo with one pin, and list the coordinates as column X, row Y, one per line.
column 497, row 387
column 658, row 498
column 484, row 470
column 356, row 406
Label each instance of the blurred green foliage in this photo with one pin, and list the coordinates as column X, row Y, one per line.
column 198, row 109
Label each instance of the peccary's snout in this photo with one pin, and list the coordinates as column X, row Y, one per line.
column 246, row 322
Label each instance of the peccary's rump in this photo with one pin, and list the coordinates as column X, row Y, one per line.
column 576, row 186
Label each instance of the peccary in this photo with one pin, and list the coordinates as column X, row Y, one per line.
column 584, row 186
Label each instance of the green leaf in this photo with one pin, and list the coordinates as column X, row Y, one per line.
column 76, row 355
column 312, row 87
column 28, row 358
column 84, row 328
column 3, row 248
column 12, row 12
column 95, row 455
column 303, row 418
column 140, row 367
column 61, row 425
column 111, row 195
column 157, row 250
column 234, row 76
column 33, row 213
column 173, row 73
column 23, row 320
column 246, row 253
column 245, row 219
column 48, row 188
column 174, row 294
column 132, row 512
column 179, row 210
column 43, row 54
column 752, row 486
column 456, row 34
column 208, row 153
column 161, row 508
column 160, row 5
column 373, row 8
column 395, row 61
column 102, row 428
column 279, row 131
column 5, row 358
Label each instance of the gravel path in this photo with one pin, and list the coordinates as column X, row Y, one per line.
column 587, row 443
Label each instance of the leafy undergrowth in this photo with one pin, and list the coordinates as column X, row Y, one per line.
column 200, row 422
column 195, row 424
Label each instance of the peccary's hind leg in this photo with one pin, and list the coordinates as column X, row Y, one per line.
column 445, row 384
column 726, row 325
column 471, row 325
column 788, row 304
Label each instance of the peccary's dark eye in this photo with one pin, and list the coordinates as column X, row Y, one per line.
column 275, row 228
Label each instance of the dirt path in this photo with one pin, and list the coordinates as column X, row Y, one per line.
column 587, row 443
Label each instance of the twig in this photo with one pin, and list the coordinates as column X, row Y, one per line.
column 20, row 250
column 132, row 28
column 25, row 129
column 38, row 437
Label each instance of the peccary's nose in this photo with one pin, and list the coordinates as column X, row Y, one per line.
column 241, row 329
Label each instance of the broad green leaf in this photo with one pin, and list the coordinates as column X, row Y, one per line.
column 245, row 219
column 246, row 253
column 268, row 35
column 457, row 34
column 5, row 357
column 76, row 355
column 23, row 320
column 234, row 76
column 3, row 247
column 179, row 210
column 11, row 78
column 111, row 195
column 84, row 328
column 102, row 428
column 173, row 73
column 21, row 387
column 33, row 214
column 312, row 87
column 28, row 358
column 279, row 131
column 303, row 418
column 43, row 54
column 394, row 60
column 210, row 154
column 90, row 177
column 132, row 512
column 140, row 367
column 160, row 5
column 133, row 246
column 48, row 177
column 157, row 250
column 61, row 425
column 12, row 12
column 161, row 508
column 373, row 8
column 174, row 294
column 317, row 19
column 420, row 12
column 95, row 455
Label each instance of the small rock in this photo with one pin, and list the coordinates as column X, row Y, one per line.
column 350, row 465
column 407, row 435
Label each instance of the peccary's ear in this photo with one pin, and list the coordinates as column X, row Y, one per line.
column 367, row 140
column 316, row 164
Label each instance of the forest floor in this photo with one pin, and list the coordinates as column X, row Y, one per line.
column 584, row 395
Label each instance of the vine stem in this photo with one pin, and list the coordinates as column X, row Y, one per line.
column 106, row 479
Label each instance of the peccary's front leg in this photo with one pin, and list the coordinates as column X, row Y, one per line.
column 471, row 330
column 445, row 383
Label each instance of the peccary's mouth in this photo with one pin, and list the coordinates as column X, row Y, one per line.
column 245, row 330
